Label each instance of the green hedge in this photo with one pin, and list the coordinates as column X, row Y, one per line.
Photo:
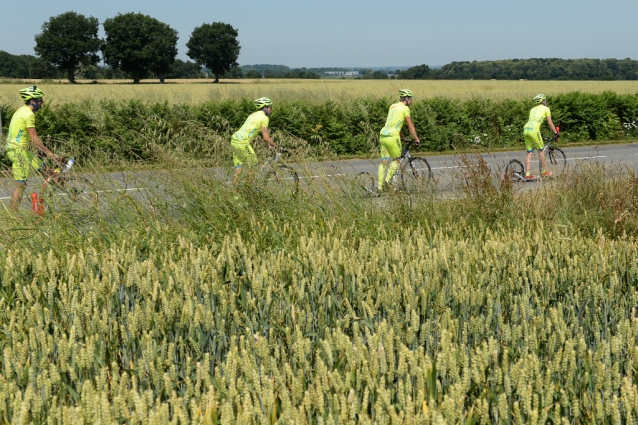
column 134, row 130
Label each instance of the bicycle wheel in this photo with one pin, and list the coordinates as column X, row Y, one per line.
column 284, row 181
column 416, row 174
column 75, row 193
column 555, row 161
column 364, row 184
column 514, row 171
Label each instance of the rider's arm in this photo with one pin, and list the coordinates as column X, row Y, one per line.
column 265, row 134
column 412, row 130
column 550, row 123
column 38, row 143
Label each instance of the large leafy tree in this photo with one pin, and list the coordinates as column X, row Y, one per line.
column 214, row 46
column 139, row 45
column 68, row 40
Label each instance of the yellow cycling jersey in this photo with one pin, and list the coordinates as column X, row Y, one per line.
column 252, row 127
column 18, row 136
column 536, row 117
column 395, row 120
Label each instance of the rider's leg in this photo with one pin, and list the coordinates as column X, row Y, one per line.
column 541, row 158
column 390, row 150
column 528, row 162
column 21, row 162
column 532, row 141
column 236, row 174
column 16, row 196
column 243, row 155
column 381, row 172
column 385, row 160
column 394, row 165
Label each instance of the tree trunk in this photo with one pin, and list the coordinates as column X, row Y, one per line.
column 70, row 74
column 216, row 78
column 161, row 78
column 136, row 75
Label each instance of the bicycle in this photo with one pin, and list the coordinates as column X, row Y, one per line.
column 280, row 178
column 413, row 174
column 62, row 188
column 555, row 161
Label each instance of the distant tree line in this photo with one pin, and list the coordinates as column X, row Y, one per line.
column 31, row 67
column 25, row 66
column 28, row 66
column 529, row 69
column 266, row 68
column 278, row 71
column 295, row 73
column 368, row 74
column 420, row 72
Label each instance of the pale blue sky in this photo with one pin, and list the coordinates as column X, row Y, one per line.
column 373, row 33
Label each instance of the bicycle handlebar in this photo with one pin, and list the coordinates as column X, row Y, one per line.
column 278, row 150
column 553, row 138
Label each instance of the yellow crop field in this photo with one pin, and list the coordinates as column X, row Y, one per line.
column 239, row 306
column 199, row 91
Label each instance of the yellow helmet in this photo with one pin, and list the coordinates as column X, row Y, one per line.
column 262, row 102
column 405, row 93
column 31, row 93
column 538, row 99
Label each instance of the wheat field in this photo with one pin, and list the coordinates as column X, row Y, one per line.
column 199, row 302
column 236, row 306
column 200, row 91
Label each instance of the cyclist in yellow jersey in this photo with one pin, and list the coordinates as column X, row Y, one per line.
column 21, row 136
column 256, row 124
column 532, row 134
column 391, row 137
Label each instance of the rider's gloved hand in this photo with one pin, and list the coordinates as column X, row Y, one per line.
column 557, row 134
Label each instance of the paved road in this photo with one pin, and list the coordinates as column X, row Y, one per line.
column 444, row 168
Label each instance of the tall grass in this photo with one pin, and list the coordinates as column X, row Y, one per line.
column 192, row 301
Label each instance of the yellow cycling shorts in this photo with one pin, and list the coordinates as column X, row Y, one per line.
column 533, row 140
column 390, row 147
column 243, row 154
column 22, row 161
